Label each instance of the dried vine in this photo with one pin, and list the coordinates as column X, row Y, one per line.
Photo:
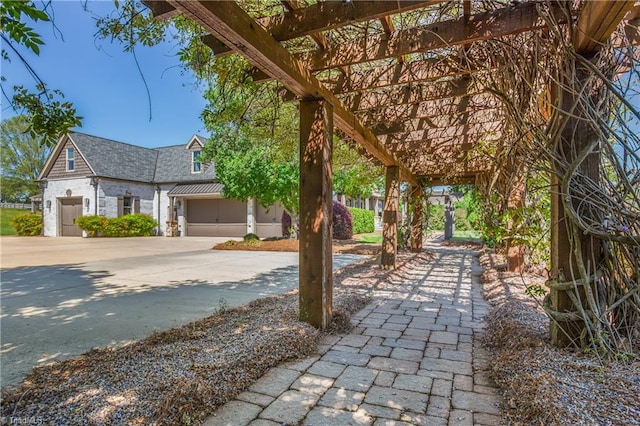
column 553, row 96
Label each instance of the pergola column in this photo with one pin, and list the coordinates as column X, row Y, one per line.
column 515, row 250
column 416, row 219
column 390, row 218
column 566, row 245
column 316, row 280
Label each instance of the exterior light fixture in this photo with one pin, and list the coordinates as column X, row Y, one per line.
column 49, row 204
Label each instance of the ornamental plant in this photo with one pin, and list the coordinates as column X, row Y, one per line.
column 342, row 222
column 28, row 224
column 363, row 220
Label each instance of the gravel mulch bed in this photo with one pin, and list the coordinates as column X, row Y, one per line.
column 182, row 375
column 544, row 384
column 339, row 246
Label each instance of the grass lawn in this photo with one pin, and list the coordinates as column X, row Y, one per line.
column 371, row 238
column 466, row 234
column 6, row 216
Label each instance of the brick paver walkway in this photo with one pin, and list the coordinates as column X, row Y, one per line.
column 412, row 358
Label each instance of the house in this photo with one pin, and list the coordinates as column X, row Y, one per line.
column 90, row 175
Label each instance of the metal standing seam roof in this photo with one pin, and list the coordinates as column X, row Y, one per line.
column 197, row 189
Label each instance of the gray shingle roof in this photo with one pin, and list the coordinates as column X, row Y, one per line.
column 174, row 165
column 118, row 160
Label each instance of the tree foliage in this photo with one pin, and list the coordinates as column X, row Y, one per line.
column 48, row 114
column 13, row 27
column 21, row 159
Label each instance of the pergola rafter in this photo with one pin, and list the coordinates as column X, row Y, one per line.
column 439, row 121
column 507, row 21
column 411, row 94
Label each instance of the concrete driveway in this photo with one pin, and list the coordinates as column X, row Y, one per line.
column 63, row 296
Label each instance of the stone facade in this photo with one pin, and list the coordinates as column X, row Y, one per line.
column 57, row 190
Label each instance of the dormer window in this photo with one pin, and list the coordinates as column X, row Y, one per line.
column 196, row 165
column 71, row 159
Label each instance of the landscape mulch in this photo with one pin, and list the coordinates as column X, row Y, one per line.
column 543, row 384
column 287, row 244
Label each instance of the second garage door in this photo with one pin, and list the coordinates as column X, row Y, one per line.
column 216, row 218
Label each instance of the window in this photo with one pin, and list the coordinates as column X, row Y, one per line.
column 196, row 165
column 128, row 205
column 71, row 163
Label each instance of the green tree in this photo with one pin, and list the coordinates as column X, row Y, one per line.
column 49, row 116
column 21, row 159
column 353, row 175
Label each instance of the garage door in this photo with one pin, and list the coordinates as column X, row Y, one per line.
column 71, row 209
column 216, row 218
column 269, row 221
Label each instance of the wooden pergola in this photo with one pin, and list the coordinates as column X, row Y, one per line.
column 399, row 87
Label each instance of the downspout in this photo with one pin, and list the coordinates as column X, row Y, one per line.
column 43, row 185
column 94, row 183
column 158, row 189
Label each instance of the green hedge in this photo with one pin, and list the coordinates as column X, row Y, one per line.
column 363, row 220
column 93, row 225
column 130, row 225
column 28, row 224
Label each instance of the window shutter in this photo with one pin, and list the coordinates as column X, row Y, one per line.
column 136, row 205
column 120, row 206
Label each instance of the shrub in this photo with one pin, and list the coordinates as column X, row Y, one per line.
column 363, row 220
column 342, row 222
column 130, row 225
column 28, row 224
column 286, row 224
column 436, row 217
column 462, row 223
column 92, row 225
column 250, row 236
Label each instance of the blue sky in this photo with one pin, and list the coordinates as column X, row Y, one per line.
column 104, row 84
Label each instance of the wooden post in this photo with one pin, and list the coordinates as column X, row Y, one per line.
column 316, row 280
column 390, row 218
column 515, row 251
column 416, row 219
column 576, row 135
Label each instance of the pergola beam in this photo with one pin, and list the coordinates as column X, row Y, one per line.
column 597, row 21
column 161, row 10
column 232, row 24
column 408, row 72
column 440, row 180
column 483, row 26
column 324, row 16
